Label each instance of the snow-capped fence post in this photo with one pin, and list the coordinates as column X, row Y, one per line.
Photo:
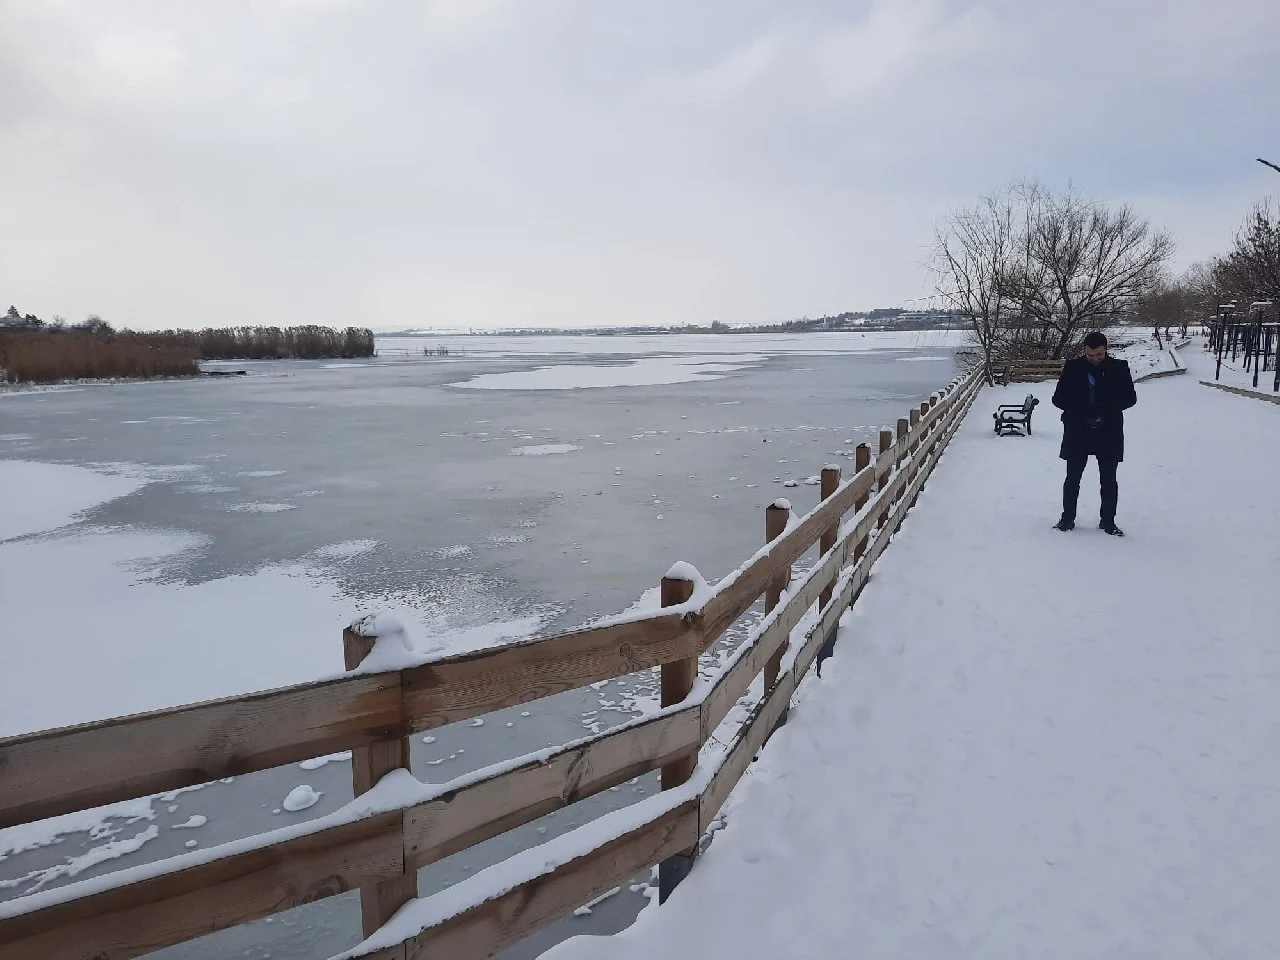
column 678, row 678
column 378, row 901
column 904, row 427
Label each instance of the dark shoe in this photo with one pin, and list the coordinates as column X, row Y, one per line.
column 1111, row 529
column 1064, row 525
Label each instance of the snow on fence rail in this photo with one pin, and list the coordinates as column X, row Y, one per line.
column 397, row 824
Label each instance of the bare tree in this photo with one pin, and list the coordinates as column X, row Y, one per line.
column 1034, row 271
column 1169, row 303
column 1087, row 265
column 971, row 262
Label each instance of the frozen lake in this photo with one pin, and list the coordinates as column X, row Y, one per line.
column 515, row 486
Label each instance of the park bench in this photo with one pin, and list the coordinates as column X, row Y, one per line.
column 1014, row 419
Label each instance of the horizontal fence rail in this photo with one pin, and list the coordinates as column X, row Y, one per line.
column 398, row 824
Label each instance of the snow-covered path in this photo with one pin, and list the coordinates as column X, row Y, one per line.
column 1029, row 744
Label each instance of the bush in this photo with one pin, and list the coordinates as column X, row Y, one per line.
column 96, row 352
column 271, row 343
column 50, row 357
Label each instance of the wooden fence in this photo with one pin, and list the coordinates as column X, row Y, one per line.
column 1027, row 371
column 397, row 824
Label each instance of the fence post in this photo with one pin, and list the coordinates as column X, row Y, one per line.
column 922, row 444
column 378, row 901
column 914, row 446
column 862, row 460
column 677, row 681
column 904, row 427
column 830, row 483
column 776, row 517
column 886, row 478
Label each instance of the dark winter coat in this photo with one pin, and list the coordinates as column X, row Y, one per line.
column 1113, row 394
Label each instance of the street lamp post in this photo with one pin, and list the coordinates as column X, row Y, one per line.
column 1225, row 310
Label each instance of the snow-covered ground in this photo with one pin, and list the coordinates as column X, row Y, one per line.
column 1028, row 743
column 1146, row 357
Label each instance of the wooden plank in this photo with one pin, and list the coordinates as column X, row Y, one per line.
column 465, row 686
column 486, row 928
column 77, row 768
column 734, row 682
column 750, row 738
column 486, row 808
column 133, row 920
column 379, row 900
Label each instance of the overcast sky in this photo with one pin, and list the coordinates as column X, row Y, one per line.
column 496, row 163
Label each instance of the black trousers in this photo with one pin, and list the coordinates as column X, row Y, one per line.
column 1106, row 480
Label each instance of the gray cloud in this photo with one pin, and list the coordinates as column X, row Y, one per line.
column 494, row 162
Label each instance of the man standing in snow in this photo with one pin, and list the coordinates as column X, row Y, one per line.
column 1093, row 392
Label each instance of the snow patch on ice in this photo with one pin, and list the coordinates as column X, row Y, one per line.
column 643, row 371
column 544, row 449
column 261, row 507
column 315, row 763
column 454, row 552
column 96, row 822
column 210, row 488
column 300, row 798
column 586, row 908
column 71, row 867
column 346, row 549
